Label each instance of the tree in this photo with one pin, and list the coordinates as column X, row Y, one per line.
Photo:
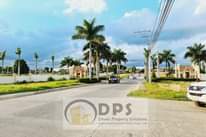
column 18, row 53
column 99, row 45
column 89, row 32
column 36, row 57
column 24, row 68
column 106, row 54
column 197, row 54
column 97, row 48
column 2, row 58
column 86, row 50
column 119, row 56
column 52, row 59
column 154, row 61
column 77, row 62
column 67, row 61
column 168, row 57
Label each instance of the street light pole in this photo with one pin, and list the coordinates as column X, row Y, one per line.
column 149, row 67
column 158, row 63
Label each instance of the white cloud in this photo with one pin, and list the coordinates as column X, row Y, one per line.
column 184, row 27
column 4, row 4
column 201, row 7
column 85, row 6
column 134, row 52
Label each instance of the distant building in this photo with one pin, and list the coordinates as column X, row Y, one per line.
column 78, row 71
column 186, row 71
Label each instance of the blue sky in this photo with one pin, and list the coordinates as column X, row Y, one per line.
column 46, row 26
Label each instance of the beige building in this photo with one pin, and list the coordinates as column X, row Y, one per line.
column 184, row 71
column 78, row 71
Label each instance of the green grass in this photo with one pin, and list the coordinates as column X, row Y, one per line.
column 167, row 90
column 125, row 75
column 28, row 87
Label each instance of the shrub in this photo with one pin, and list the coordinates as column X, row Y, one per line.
column 172, row 79
column 50, row 79
column 72, row 78
column 62, row 79
column 21, row 82
column 103, row 78
column 87, row 80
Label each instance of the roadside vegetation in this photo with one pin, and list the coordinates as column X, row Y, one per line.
column 29, row 87
column 163, row 89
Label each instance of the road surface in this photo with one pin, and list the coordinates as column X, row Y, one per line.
column 40, row 115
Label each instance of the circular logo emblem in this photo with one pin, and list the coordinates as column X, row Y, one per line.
column 80, row 112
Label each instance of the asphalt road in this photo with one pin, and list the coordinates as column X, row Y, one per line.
column 41, row 115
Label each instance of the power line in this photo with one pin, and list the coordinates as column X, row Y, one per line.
column 165, row 9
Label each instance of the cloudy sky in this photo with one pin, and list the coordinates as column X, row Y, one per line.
column 46, row 26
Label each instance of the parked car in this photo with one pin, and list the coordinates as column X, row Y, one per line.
column 197, row 93
column 114, row 79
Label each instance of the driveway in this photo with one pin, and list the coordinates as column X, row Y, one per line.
column 41, row 115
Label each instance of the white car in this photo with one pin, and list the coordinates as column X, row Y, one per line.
column 197, row 93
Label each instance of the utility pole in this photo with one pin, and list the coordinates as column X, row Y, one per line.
column 149, row 67
column 164, row 11
column 158, row 63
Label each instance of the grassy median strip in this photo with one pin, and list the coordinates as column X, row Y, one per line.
column 167, row 90
column 28, row 87
column 126, row 75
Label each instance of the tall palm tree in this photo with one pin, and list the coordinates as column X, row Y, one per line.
column 86, row 51
column 89, row 32
column 119, row 56
column 18, row 53
column 97, row 47
column 106, row 54
column 154, row 61
column 2, row 58
column 196, row 53
column 168, row 57
column 36, row 57
column 53, row 59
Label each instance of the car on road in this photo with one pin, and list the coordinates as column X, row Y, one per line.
column 114, row 79
column 197, row 93
column 133, row 77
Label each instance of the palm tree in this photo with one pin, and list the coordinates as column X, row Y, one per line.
column 67, row 61
column 18, row 53
column 106, row 54
column 2, row 58
column 97, row 48
column 154, row 61
column 196, row 53
column 89, row 32
column 52, row 58
column 168, row 57
column 36, row 57
column 77, row 62
column 119, row 56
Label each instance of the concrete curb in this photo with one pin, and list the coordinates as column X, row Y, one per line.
column 18, row 95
